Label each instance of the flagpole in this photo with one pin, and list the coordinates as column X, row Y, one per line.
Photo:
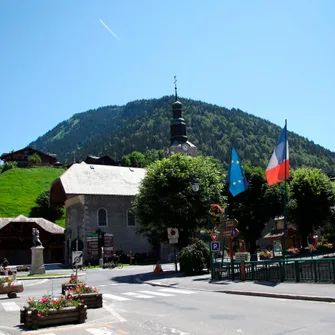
column 285, row 196
column 230, row 239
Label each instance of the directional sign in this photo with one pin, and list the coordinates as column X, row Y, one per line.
column 173, row 233
column 227, row 233
column 215, row 246
column 77, row 258
column 229, row 224
column 230, row 233
column 214, row 237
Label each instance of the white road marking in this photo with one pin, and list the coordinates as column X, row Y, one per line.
column 115, row 297
column 100, row 331
column 109, row 308
column 136, row 295
column 175, row 290
column 102, row 285
column 158, row 293
column 32, row 284
column 10, row 306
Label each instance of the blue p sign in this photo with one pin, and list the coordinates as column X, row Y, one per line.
column 215, row 246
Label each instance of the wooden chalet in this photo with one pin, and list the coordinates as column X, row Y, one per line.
column 16, row 239
column 21, row 157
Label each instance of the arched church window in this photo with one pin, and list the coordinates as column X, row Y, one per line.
column 102, row 217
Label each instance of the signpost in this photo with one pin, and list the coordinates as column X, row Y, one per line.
column 77, row 259
column 173, row 235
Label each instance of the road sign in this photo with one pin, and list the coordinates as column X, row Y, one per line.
column 77, row 243
column 173, row 233
column 77, row 258
column 229, row 224
column 214, row 237
column 215, row 246
column 173, row 240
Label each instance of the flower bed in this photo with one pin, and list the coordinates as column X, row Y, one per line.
column 71, row 284
column 49, row 311
column 89, row 295
column 21, row 268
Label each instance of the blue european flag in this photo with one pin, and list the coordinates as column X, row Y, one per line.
column 236, row 177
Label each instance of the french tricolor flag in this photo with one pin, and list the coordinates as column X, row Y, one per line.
column 279, row 166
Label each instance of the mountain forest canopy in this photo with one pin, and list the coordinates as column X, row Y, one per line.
column 142, row 125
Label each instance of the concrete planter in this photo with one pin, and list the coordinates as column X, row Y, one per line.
column 11, row 289
column 54, row 318
column 91, row 300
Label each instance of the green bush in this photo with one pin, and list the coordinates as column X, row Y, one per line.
column 194, row 258
column 8, row 166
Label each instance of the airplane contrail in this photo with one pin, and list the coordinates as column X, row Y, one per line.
column 110, row 30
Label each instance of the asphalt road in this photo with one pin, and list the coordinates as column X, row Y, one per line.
column 140, row 309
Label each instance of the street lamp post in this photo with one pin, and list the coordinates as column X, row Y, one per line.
column 196, row 188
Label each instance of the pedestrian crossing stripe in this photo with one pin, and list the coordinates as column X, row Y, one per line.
column 137, row 295
column 176, row 290
column 160, row 294
column 10, row 306
column 115, row 297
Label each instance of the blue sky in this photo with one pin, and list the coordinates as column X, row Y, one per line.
column 273, row 59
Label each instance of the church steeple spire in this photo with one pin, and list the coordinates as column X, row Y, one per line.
column 178, row 139
column 177, row 124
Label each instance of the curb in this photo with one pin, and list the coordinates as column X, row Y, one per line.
column 246, row 293
column 280, row 295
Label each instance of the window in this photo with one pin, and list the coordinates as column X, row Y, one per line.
column 102, row 217
column 131, row 218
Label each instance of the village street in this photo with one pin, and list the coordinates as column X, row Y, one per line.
column 141, row 309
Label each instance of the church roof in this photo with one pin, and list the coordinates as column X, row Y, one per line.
column 43, row 223
column 86, row 179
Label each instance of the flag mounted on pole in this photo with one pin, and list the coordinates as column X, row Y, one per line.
column 278, row 168
column 236, row 178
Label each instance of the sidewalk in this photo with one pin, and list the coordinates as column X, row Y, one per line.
column 297, row 291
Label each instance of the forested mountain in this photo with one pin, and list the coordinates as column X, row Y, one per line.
column 144, row 124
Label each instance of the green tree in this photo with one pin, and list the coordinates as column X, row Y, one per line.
column 166, row 198
column 34, row 159
column 44, row 210
column 256, row 206
column 312, row 200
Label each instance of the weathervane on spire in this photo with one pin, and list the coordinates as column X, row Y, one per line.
column 175, row 87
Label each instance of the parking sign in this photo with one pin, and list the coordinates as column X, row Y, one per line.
column 215, row 246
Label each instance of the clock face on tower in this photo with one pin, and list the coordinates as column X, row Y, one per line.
column 184, row 146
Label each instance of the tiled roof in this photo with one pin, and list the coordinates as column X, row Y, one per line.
column 89, row 179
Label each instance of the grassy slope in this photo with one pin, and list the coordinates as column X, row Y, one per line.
column 20, row 187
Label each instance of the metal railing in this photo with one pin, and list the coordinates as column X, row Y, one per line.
column 311, row 270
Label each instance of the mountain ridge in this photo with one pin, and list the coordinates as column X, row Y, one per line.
column 143, row 124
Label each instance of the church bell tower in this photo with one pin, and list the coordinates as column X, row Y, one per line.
column 178, row 135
